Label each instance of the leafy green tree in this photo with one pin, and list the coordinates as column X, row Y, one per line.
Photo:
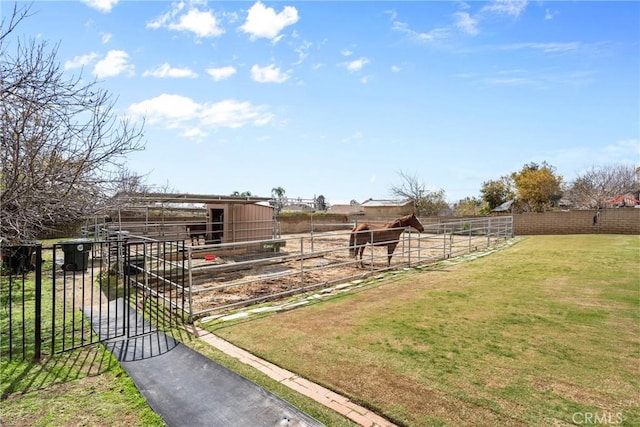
column 321, row 203
column 469, row 206
column 496, row 192
column 243, row 194
column 538, row 187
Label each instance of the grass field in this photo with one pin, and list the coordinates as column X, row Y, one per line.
column 87, row 386
column 546, row 332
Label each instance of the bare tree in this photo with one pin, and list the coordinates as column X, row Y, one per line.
column 428, row 203
column 62, row 144
column 601, row 183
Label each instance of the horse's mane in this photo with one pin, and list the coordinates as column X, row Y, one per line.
column 398, row 222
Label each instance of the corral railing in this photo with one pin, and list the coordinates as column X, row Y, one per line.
column 198, row 231
column 53, row 295
column 225, row 276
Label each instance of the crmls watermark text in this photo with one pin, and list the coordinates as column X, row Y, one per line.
column 597, row 418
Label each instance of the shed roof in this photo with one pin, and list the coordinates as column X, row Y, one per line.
column 503, row 207
column 188, row 198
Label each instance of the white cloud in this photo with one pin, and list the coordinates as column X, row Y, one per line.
column 165, row 70
column 193, row 119
column 346, row 52
column 624, row 148
column 550, row 14
column 466, row 23
column 234, row 114
column 264, row 22
column 433, row 35
column 101, row 5
column 115, row 63
column 545, row 47
column 80, row 61
column 357, row 65
column 396, row 68
column 268, row 74
column 357, row 135
column 506, row 7
column 221, row 73
column 166, row 109
column 194, row 133
column 302, row 51
column 202, row 23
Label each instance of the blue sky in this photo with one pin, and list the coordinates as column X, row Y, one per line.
column 337, row 98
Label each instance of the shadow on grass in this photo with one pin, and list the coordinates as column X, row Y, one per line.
column 27, row 376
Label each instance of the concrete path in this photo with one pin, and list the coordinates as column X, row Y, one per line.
column 332, row 400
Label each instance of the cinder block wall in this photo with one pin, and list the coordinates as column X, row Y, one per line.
column 610, row 221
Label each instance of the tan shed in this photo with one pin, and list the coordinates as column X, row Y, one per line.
column 212, row 218
column 240, row 221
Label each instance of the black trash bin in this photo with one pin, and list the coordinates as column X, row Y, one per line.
column 18, row 259
column 76, row 254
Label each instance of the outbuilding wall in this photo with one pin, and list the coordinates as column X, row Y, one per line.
column 245, row 222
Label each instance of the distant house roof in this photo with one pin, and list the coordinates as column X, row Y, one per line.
column 376, row 203
column 297, row 207
column 624, row 199
column 503, row 207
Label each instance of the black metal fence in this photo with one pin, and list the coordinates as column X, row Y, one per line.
column 52, row 298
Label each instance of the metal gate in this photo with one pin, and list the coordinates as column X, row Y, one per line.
column 146, row 275
column 80, row 292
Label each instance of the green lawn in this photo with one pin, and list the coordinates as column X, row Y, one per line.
column 544, row 332
column 87, row 386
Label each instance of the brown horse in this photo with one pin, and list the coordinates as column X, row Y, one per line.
column 387, row 235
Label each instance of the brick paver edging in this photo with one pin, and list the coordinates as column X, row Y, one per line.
column 332, row 400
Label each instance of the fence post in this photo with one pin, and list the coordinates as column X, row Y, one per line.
column 444, row 242
column 409, row 244
column 489, row 233
column 38, row 308
column 302, row 262
column 190, row 278
column 371, row 246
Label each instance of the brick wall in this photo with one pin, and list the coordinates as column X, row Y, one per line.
column 610, row 221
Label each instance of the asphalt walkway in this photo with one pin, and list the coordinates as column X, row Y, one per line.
column 332, row 400
column 187, row 388
column 184, row 387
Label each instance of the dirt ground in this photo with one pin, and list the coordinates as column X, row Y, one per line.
column 304, row 263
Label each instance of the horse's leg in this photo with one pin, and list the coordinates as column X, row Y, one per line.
column 361, row 251
column 390, row 248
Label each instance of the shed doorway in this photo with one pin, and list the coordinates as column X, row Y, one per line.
column 217, row 225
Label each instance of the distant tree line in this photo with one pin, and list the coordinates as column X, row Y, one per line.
column 534, row 188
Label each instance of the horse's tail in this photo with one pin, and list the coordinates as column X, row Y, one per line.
column 352, row 241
